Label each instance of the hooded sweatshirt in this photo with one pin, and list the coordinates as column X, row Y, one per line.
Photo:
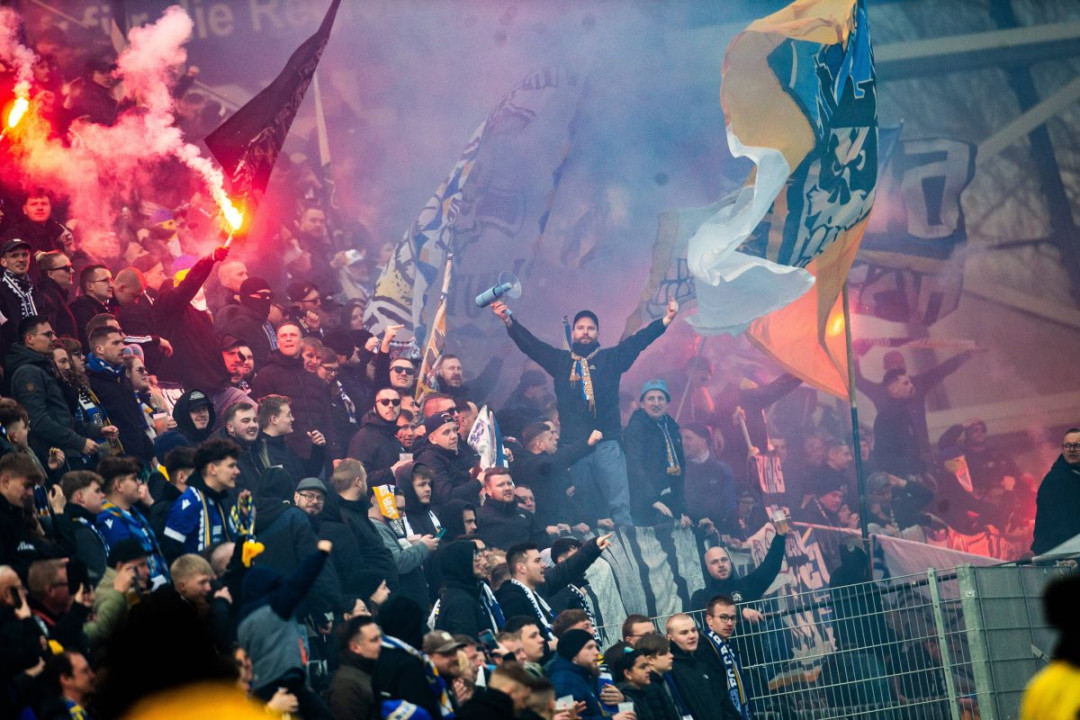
column 376, row 445
column 185, row 434
column 461, row 608
column 269, row 631
column 744, row 588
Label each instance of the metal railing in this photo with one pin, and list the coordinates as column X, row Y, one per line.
column 952, row 645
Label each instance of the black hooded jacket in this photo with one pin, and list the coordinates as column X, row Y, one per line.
column 309, row 396
column 1057, row 513
column 185, row 434
column 744, row 588
column 417, row 513
column 460, row 609
column 452, row 480
column 247, row 326
column 374, row 557
column 376, row 445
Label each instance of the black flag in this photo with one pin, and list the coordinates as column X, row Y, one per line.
column 248, row 143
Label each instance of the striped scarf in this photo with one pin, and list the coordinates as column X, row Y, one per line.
column 580, row 371
column 672, row 456
column 436, row 684
column 540, row 608
column 487, row 599
column 586, row 606
column 733, row 679
column 21, row 287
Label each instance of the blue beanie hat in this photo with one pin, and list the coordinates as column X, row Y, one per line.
column 656, row 384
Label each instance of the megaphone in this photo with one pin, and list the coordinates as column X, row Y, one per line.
column 508, row 286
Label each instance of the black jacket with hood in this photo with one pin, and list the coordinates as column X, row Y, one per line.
column 249, row 327
column 452, row 479
column 185, row 434
column 376, row 445
column 38, row 388
column 744, row 588
column 399, row 675
column 461, row 610
column 309, row 396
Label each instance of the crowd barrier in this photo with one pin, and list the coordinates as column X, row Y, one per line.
column 957, row 644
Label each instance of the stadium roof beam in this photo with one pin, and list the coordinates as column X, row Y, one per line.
column 974, row 51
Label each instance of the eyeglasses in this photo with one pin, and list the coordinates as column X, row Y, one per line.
column 725, row 618
column 62, row 268
column 49, row 334
column 389, row 402
column 1072, row 447
column 333, row 370
column 402, row 370
column 316, row 497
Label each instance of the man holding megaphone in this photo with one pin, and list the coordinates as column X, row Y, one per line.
column 587, row 391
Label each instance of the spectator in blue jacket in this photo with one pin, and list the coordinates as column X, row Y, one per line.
column 121, row 517
column 575, row 672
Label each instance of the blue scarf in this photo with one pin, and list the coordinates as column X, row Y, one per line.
column 436, row 684
column 93, row 362
column 733, row 679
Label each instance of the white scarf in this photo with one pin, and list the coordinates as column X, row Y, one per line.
column 24, row 290
column 541, row 608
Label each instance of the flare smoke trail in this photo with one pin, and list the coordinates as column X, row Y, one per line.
column 14, row 52
column 107, row 164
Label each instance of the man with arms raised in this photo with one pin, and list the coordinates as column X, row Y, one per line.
column 587, row 389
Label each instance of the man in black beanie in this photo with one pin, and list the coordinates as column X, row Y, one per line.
column 587, row 390
column 248, row 322
column 575, row 672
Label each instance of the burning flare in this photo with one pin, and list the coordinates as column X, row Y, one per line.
column 18, row 109
column 233, row 215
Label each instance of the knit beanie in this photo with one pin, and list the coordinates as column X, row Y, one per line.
column 571, row 642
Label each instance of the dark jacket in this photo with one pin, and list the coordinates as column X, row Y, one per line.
column 196, row 360
column 351, row 696
column 11, row 307
column 310, row 397
column 571, row 679
column 452, row 480
column 35, row 385
column 461, row 610
column 1057, row 513
column 376, row 445
column 345, row 558
column 700, row 689
column 56, row 307
column 78, row 535
column 247, row 326
column 117, row 396
column 82, row 309
column 400, row 675
column 647, row 467
column 19, row 544
column 374, row 557
column 652, row 701
column 487, row 704
column 288, row 537
column 418, row 515
column 709, row 491
column 608, row 364
column 515, row 602
column 137, row 319
column 548, row 476
column 185, row 434
column 267, row 452
column 744, row 588
column 504, row 524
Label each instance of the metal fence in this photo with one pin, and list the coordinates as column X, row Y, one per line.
column 953, row 645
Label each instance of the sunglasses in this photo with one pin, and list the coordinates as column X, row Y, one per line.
column 389, row 402
column 402, row 370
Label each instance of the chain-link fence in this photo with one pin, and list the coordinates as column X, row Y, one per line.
column 954, row 645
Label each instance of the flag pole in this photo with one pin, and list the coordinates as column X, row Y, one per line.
column 429, row 341
column 860, row 481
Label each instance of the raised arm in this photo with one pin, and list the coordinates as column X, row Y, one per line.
column 544, row 355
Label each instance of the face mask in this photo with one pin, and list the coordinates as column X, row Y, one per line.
column 259, row 305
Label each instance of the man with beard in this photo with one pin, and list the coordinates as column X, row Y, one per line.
column 655, row 460
column 284, row 374
column 36, row 385
column 1057, row 514
column 375, row 444
column 451, row 379
column 587, row 389
column 55, row 282
column 442, row 454
column 19, row 299
column 500, row 522
column 350, row 695
column 722, row 579
column 105, row 370
column 575, row 671
column 520, row 595
column 310, row 496
column 351, row 506
column 248, row 321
